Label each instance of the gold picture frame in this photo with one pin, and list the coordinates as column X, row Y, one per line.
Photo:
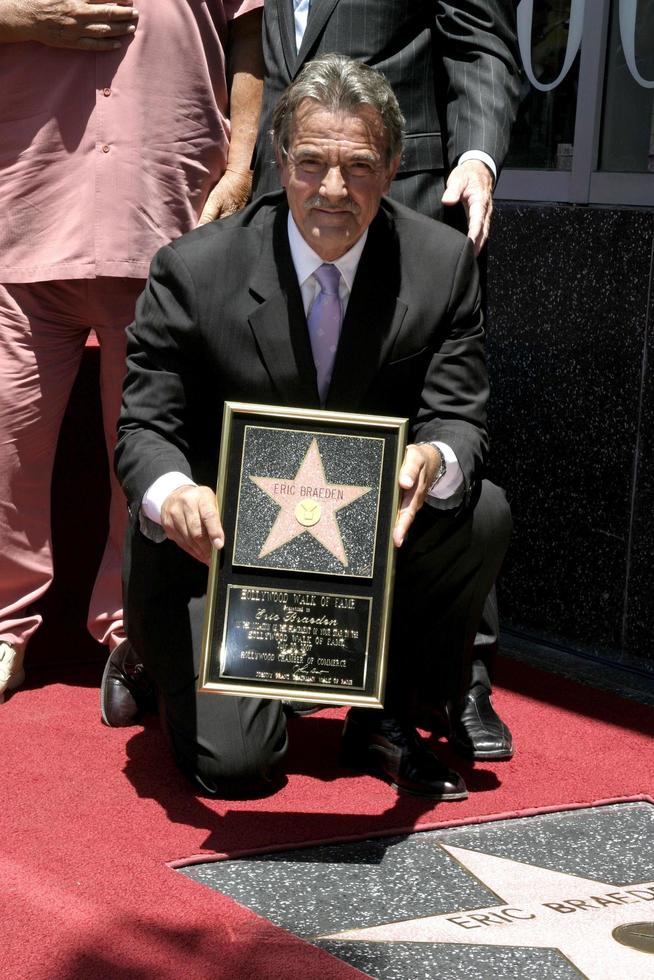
column 299, row 599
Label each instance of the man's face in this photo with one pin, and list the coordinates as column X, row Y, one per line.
column 335, row 173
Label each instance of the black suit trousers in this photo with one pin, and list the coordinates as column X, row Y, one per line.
column 445, row 569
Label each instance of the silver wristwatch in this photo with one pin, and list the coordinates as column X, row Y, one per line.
column 442, row 469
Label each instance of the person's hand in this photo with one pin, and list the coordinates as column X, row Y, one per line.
column 471, row 183
column 87, row 25
column 418, row 472
column 230, row 194
column 190, row 518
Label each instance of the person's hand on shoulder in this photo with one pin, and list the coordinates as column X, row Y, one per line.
column 86, row 25
column 471, row 183
column 245, row 68
column 230, row 194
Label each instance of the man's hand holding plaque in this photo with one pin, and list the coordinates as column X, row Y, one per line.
column 190, row 518
column 417, row 475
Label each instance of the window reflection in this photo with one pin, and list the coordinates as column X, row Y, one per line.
column 627, row 142
column 544, row 129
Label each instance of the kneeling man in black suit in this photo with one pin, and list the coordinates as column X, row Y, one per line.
column 232, row 311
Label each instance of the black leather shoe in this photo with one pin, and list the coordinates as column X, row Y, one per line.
column 295, row 709
column 395, row 751
column 479, row 732
column 126, row 690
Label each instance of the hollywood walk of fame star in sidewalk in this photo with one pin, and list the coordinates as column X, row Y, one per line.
column 580, row 917
column 308, row 504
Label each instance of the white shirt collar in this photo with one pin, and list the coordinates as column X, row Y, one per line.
column 301, row 14
column 306, row 261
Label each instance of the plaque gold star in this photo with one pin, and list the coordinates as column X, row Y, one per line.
column 603, row 930
column 308, row 504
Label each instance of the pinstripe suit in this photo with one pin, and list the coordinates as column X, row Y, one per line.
column 452, row 67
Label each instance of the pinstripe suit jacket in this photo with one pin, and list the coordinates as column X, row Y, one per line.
column 451, row 65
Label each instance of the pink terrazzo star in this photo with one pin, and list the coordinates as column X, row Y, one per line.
column 308, row 504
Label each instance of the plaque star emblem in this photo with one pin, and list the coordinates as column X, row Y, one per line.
column 604, row 931
column 308, row 505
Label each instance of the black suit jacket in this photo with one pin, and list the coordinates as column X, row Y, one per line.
column 221, row 319
column 452, row 66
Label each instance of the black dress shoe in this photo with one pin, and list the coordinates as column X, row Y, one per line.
column 126, row 690
column 479, row 732
column 295, row 709
column 395, row 751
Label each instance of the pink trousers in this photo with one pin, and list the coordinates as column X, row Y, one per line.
column 43, row 330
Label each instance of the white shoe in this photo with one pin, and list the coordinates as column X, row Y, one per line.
column 12, row 674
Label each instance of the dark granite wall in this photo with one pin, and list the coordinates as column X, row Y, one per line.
column 571, row 358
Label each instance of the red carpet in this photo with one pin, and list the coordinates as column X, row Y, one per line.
column 91, row 816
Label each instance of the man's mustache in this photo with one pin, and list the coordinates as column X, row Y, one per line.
column 319, row 202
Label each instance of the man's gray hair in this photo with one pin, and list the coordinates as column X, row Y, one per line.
column 339, row 84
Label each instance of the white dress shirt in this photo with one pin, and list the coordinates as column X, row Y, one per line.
column 300, row 15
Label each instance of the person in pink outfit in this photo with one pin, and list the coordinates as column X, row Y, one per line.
column 120, row 129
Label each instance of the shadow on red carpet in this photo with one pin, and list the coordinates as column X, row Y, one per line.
column 92, row 817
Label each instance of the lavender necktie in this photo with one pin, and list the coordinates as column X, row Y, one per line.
column 324, row 322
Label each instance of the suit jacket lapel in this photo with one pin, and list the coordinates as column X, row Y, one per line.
column 373, row 317
column 287, row 32
column 319, row 13
column 279, row 323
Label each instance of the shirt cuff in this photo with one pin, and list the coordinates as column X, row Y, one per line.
column 480, row 155
column 155, row 495
column 453, row 479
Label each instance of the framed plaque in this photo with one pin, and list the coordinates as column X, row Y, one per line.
column 299, row 599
